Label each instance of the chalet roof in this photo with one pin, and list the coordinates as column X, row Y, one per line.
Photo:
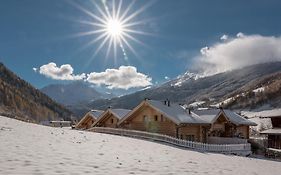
column 274, row 131
column 238, row 119
column 210, row 115
column 176, row 113
column 95, row 113
column 120, row 113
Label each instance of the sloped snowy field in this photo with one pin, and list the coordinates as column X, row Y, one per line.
column 33, row 149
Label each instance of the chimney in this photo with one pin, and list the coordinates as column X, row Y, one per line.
column 189, row 111
column 168, row 102
column 165, row 102
column 109, row 107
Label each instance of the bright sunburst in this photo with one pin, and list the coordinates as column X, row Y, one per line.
column 113, row 26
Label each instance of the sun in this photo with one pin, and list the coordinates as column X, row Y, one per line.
column 114, row 28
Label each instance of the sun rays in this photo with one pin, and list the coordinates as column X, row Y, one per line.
column 114, row 27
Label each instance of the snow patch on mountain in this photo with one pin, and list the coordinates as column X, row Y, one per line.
column 196, row 103
column 258, row 90
column 185, row 77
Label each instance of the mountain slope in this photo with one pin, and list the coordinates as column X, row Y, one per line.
column 265, row 91
column 18, row 98
column 213, row 88
column 73, row 93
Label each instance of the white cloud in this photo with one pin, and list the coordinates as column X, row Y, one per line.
column 204, row 50
column 240, row 35
column 238, row 52
column 64, row 72
column 124, row 77
column 224, row 37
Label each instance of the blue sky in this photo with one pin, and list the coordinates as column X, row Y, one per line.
column 36, row 32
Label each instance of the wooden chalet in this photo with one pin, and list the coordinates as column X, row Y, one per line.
column 225, row 123
column 274, row 134
column 165, row 118
column 89, row 119
column 110, row 118
column 173, row 120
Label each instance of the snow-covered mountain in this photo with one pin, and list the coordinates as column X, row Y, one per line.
column 190, row 87
column 185, row 77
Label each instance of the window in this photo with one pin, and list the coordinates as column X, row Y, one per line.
column 144, row 118
column 162, row 118
column 156, row 117
column 190, row 137
column 112, row 121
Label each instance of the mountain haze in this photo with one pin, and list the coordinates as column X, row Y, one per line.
column 73, row 93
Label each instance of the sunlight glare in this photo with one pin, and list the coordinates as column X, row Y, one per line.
column 114, row 28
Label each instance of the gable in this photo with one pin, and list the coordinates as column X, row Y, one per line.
column 221, row 119
column 105, row 117
column 146, row 112
column 85, row 119
column 110, row 119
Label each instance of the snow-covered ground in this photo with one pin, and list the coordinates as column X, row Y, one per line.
column 27, row 148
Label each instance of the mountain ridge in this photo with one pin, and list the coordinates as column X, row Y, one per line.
column 73, row 93
column 21, row 100
column 212, row 88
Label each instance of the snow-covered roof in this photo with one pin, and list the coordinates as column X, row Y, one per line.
column 210, row 115
column 95, row 113
column 275, row 131
column 120, row 113
column 176, row 113
column 238, row 119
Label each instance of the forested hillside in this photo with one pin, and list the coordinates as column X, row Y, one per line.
column 21, row 100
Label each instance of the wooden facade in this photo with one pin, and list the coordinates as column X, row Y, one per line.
column 274, row 134
column 192, row 132
column 110, row 118
column 222, row 127
column 146, row 117
column 88, row 120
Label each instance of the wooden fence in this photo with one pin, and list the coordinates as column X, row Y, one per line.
column 238, row 149
column 226, row 140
